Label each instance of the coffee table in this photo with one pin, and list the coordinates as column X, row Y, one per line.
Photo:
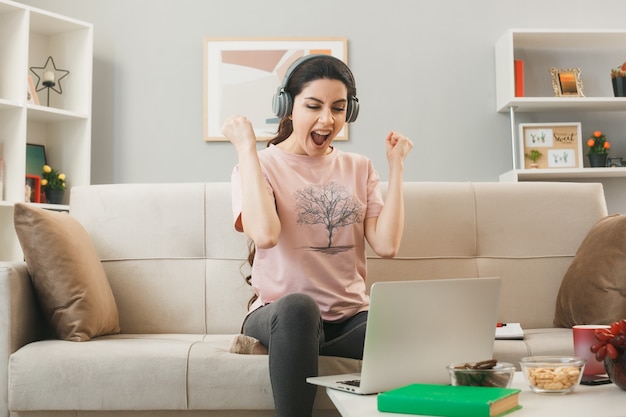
column 585, row 401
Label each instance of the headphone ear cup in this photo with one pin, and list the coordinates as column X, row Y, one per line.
column 352, row 110
column 282, row 103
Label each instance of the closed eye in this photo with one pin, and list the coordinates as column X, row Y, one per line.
column 316, row 104
column 337, row 109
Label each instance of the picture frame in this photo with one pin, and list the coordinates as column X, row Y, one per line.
column 31, row 96
column 242, row 74
column 32, row 191
column 35, row 158
column 566, row 82
column 560, row 145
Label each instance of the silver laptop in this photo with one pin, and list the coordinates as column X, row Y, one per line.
column 416, row 328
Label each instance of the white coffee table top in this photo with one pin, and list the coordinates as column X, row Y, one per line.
column 585, row 401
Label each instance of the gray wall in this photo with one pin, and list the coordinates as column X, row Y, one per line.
column 424, row 68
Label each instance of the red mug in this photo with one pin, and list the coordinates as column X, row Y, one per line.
column 584, row 337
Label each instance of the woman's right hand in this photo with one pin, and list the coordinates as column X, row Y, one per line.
column 259, row 219
column 238, row 130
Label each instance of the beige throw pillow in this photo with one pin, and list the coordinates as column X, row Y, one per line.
column 593, row 290
column 69, row 280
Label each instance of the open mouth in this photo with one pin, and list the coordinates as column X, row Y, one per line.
column 319, row 138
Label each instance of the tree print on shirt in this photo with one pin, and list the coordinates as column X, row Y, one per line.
column 330, row 205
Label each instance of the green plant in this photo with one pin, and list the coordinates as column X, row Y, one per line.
column 51, row 179
column 598, row 144
column 533, row 155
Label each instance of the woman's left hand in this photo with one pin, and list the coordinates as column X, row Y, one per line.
column 398, row 146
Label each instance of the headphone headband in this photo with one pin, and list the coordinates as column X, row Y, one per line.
column 282, row 104
column 295, row 64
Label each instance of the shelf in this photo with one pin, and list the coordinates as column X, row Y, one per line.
column 50, row 114
column 533, row 104
column 8, row 104
column 55, row 207
column 52, row 24
column 568, row 39
column 562, row 174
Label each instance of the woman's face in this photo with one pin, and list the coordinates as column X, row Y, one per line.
column 318, row 115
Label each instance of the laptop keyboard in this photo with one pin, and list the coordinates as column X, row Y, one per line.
column 352, row 382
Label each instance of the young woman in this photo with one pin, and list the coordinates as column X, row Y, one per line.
column 308, row 208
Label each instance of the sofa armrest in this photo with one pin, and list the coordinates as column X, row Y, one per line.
column 20, row 318
column 21, row 321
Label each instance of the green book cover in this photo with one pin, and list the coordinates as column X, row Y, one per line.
column 449, row 400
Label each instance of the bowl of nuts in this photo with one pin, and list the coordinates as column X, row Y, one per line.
column 488, row 373
column 552, row 374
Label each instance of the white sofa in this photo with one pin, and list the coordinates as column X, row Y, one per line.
column 176, row 267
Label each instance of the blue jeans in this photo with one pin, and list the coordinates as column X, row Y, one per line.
column 295, row 334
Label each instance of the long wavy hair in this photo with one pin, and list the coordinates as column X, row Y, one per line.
column 320, row 67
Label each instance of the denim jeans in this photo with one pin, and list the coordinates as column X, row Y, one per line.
column 295, row 334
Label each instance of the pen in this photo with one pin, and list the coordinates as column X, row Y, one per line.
column 500, row 324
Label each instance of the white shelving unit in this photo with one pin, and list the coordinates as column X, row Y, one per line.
column 593, row 50
column 28, row 36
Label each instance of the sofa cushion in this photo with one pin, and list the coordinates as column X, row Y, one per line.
column 149, row 372
column 593, row 290
column 69, row 280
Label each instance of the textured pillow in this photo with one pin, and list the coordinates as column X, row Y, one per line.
column 69, row 280
column 593, row 290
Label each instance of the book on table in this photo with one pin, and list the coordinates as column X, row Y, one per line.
column 509, row 331
column 450, row 400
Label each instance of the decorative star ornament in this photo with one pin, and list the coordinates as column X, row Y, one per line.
column 49, row 76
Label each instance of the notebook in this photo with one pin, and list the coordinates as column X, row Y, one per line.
column 416, row 328
column 509, row 331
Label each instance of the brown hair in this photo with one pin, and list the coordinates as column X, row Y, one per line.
column 248, row 278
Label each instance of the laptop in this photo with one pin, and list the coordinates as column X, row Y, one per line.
column 416, row 328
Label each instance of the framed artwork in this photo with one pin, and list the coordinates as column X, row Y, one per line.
column 31, row 96
column 566, row 82
column 241, row 76
column 32, row 192
column 551, row 145
column 35, row 159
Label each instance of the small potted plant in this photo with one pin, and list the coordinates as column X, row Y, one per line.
column 598, row 149
column 534, row 156
column 618, row 78
column 53, row 184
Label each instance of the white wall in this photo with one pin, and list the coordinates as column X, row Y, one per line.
column 425, row 68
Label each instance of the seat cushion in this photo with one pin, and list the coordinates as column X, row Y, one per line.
column 148, row 372
column 69, row 280
column 114, row 372
column 593, row 290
